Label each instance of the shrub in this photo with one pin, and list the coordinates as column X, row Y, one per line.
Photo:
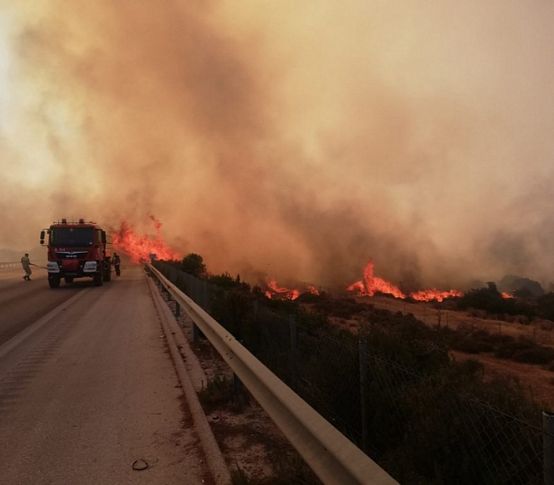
column 545, row 306
column 193, row 264
column 490, row 300
column 534, row 355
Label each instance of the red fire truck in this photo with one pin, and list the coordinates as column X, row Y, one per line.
column 76, row 250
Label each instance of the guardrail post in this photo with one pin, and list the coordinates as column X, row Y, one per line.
column 195, row 332
column 364, row 362
column 548, row 447
column 238, row 390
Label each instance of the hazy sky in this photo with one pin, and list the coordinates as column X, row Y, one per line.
column 293, row 138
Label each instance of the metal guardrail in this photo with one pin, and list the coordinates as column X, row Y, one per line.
column 333, row 458
column 9, row 265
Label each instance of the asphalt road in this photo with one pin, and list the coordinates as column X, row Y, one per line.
column 23, row 302
column 87, row 387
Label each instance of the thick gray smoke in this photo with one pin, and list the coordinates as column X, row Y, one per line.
column 293, row 140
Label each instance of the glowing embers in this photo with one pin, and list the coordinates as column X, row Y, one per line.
column 141, row 247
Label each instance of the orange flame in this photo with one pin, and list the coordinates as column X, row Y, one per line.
column 285, row 293
column 140, row 247
column 275, row 291
column 313, row 290
column 435, row 295
column 506, row 295
column 372, row 284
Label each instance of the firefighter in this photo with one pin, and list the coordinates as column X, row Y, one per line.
column 26, row 264
column 116, row 261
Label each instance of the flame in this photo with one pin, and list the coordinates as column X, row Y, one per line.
column 274, row 290
column 506, row 295
column 372, row 284
column 285, row 293
column 140, row 247
column 313, row 290
column 435, row 295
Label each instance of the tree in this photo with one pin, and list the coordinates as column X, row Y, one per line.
column 193, row 264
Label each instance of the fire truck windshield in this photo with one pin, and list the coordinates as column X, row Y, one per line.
column 72, row 236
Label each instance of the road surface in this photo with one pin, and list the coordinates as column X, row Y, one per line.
column 87, row 387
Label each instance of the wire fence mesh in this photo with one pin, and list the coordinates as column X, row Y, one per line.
column 423, row 419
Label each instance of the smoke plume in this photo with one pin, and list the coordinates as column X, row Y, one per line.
column 297, row 139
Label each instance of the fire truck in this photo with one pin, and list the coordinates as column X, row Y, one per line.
column 76, row 250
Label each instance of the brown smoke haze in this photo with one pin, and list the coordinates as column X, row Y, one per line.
column 297, row 139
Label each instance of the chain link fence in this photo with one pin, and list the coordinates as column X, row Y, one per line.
column 398, row 397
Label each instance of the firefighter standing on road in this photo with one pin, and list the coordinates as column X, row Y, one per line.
column 116, row 261
column 26, row 264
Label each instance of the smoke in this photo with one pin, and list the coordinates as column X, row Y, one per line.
column 297, row 140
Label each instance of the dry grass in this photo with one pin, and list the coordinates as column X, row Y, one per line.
column 540, row 331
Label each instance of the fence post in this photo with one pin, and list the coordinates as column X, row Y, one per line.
column 205, row 299
column 364, row 362
column 292, row 359
column 548, row 447
column 256, row 309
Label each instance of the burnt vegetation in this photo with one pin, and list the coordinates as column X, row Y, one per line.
column 529, row 302
column 429, row 419
column 491, row 301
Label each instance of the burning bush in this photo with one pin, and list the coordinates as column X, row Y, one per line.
column 545, row 306
column 493, row 302
column 423, row 408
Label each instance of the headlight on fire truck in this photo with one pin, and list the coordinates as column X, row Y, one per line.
column 52, row 267
column 89, row 267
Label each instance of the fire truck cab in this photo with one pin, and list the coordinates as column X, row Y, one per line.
column 76, row 250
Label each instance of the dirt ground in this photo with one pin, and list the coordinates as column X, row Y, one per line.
column 254, row 449
column 540, row 331
column 537, row 381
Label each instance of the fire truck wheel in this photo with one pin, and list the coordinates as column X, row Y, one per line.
column 54, row 281
column 98, row 280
